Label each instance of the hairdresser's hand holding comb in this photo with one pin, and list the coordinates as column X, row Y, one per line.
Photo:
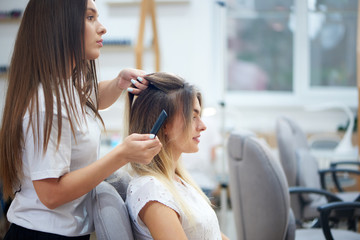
column 139, row 148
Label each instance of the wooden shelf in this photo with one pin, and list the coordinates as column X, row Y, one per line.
column 3, row 75
column 123, row 48
column 4, row 71
column 14, row 15
column 10, row 20
column 119, row 3
column 118, row 47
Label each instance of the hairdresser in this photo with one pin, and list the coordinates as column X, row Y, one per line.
column 50, row 133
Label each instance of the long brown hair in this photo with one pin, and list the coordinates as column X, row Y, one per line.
column 48, row 52
column 176, row 96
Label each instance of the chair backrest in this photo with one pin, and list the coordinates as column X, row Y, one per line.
column 290, row 137
column 300, row 166
column 111, row 217
column 258, row 190
column 120, row 181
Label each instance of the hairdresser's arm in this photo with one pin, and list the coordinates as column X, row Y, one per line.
column 111, row 90
column 54, row 192
column 162, row 221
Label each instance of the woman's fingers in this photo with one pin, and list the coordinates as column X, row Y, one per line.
column 142, row 148
column 140, row 83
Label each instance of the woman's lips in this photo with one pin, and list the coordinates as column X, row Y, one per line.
column 100, row 43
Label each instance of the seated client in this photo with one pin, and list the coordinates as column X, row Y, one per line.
column 162, row 199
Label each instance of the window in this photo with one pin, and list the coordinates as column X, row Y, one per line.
column 260, row 43
column 291, row 51
column 332, row 35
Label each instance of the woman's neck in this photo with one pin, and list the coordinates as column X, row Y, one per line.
column 175, row 158
column 177, row 178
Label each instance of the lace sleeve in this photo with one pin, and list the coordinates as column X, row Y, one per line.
column 146, row 189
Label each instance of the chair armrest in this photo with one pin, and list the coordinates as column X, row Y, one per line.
column 325, row 211
column 334, row 176
column 330, row 196
column 333, row 172
column 335, row 164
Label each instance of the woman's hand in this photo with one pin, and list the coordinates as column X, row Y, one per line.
column 130, row 76
column 110, row 90
column 139, row 148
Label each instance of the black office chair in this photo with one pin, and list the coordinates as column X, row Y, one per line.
column 301, row 170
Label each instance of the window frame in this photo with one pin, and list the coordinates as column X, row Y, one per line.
column 303, row 93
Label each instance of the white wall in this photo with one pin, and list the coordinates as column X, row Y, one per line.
column 185, row 36
column 189, row 47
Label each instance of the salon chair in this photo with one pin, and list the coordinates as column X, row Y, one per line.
column 111, row 217
column 260, row 196
column 301, row 170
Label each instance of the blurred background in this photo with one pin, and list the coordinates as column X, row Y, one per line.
column 253, row 60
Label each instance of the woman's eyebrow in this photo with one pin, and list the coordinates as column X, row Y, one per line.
column 93, row 10
column 197, row 111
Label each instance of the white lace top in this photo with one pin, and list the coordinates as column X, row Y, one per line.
column 144, row 189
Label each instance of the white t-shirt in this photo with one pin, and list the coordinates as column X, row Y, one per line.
column 26, row 210
column 142, row 190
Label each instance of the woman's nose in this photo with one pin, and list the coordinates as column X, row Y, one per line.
column 201, row 126
column 101, row 29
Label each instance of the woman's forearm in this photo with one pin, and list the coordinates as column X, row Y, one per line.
column 109, row 92
column 54, row 192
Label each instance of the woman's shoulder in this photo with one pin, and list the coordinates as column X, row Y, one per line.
column 147, row 187
column 140, row 182
column 42, row 101
column 144, row 189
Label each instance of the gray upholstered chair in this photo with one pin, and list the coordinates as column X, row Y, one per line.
column 111, row 218
column 301, row 170
column 120, row 181
column 257, row 197
column 260, row 198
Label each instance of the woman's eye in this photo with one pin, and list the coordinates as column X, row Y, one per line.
column 90, row 18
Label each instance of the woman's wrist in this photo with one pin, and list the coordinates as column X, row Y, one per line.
column 119, row 156
column 116, row 84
